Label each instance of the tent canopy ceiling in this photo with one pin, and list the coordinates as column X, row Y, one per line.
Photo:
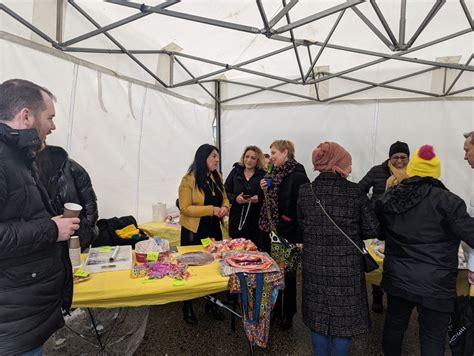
column 129, row 110
column 292, row 49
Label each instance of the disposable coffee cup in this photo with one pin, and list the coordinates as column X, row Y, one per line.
column 75, row 256
column 71, row 210
column 75, row 251
column 269, row 182
column 74, row 242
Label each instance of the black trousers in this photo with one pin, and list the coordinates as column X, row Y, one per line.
column 377, row 293
column 433, row 326
column 286, row 302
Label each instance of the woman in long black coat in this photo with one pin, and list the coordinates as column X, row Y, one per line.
column 334, row 304
column 279, row 212
column 243, row 190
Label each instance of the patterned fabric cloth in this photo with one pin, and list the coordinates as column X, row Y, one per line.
column 271, row 201
column 258, row 294
column 227, row 270
column 289, row 259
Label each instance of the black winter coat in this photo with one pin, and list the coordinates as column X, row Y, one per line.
column 287, row 204
column 68, row 182
column 376, row 178
column 423, row 224
column 334, row 288
column 235, row 184
column 35, row 270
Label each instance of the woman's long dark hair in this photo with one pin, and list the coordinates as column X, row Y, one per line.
column 199, row 167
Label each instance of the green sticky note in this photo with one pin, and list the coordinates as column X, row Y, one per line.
column 206, row 242
column 81, row 273
column 148, row 280
column 178, row 282
column 152, row 256
column 104, row 249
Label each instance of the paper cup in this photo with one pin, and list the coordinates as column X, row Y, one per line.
column 75, row 256
column 74, row 242
column 269, row 182
column 71, row 210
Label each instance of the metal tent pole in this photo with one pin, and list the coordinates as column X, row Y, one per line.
column 217, row 95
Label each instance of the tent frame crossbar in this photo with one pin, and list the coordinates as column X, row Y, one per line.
column 307, row 76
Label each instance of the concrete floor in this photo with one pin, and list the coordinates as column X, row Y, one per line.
column 168, row 334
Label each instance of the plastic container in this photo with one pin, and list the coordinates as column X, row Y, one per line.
column 159, row 212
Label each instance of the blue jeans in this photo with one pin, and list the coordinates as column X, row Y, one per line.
column 36, row 352
column 330, row 345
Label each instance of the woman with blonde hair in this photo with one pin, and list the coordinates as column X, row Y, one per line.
column 243, row 190
column 279, row 210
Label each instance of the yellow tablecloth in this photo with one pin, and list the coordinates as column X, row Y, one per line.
column 117, row 289
column 172, row 232
column 375, row 277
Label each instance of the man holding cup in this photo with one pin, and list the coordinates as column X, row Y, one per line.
column 36, row 274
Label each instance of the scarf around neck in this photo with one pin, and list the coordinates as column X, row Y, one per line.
column 271, row 201
column 398, row 175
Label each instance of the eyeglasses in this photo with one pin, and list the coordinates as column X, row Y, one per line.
column 399, row 158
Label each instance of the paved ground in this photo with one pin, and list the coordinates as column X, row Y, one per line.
column 168, row 334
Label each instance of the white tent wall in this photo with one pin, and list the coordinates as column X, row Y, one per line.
column 172, row 131
column 135, row 142
column 366, row 129
column 17, row 63
column 105, row 138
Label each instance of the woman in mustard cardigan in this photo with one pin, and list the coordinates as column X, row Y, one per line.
column 202, row 203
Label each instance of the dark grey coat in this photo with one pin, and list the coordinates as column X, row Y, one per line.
column 334, row 290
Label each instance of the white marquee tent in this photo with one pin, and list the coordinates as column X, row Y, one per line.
column 140, row 86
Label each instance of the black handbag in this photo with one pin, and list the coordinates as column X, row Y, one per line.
column 368, row 261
